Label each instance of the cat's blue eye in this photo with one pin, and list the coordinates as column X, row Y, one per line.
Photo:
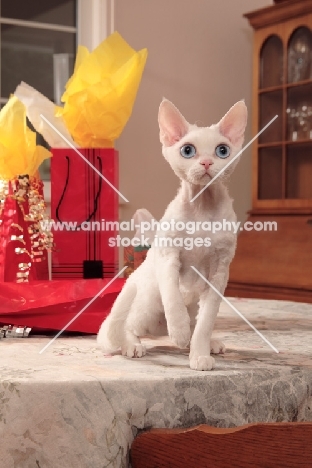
column 188, row 151
column 223, row 151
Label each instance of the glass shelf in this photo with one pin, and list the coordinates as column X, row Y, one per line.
column 286, row 85
column 299, row 142
column 299, row 83
column 272, row 88
column 299, row 113
column 270, row 145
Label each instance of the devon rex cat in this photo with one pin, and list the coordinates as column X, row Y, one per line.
column 165, row 295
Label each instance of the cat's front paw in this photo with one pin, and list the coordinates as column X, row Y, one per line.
column 217, row 347
column 133, row 350
column 181, row 336
column 202, row 363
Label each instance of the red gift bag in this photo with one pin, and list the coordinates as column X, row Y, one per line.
column 84, row 208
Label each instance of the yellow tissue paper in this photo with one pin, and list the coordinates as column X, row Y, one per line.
column 99, row 96
column 19, row 153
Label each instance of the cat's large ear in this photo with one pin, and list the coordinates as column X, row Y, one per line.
column 233, row 124
column 172, row 124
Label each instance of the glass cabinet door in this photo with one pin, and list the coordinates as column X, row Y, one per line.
column 270, row 105
column 284, row 155
column 299, row 55
column 271, row 63
column 299, row 115
column 270, row 153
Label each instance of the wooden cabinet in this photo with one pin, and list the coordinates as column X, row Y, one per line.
column 279, row 264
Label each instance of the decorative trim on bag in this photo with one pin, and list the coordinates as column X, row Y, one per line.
column 22, row 215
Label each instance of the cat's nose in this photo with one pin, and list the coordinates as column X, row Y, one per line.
column 206, row 162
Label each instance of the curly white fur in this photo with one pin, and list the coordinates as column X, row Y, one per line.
column 165, row 295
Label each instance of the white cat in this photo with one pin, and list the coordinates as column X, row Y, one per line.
column 165, row 295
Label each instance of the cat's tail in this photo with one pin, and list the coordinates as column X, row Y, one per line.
column 112, row 331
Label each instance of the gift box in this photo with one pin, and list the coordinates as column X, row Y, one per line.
column 84, row 208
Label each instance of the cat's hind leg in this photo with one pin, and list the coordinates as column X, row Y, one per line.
column 217, row 347
column 111, row 335
column 144, row 318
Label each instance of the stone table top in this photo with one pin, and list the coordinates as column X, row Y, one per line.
column 74, row 406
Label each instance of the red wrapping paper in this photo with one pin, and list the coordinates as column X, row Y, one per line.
column 52, row 304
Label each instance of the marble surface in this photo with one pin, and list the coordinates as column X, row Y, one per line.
column 74, row 407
